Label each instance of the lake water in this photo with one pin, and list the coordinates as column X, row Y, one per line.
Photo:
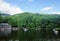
column 27, row 35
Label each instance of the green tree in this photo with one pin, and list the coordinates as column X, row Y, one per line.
column 0, row 18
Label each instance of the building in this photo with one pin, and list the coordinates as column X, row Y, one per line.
column 5, row 29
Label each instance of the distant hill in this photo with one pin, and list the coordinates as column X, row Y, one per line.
column 4, row 14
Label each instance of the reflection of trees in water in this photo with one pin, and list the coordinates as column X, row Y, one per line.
column 5, row 35
column 14, row 35
column 33, row 34
column 29, row 35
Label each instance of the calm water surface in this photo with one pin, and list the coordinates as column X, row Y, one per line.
column 27, row 35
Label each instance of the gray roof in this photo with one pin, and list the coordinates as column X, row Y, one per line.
column 5, row 25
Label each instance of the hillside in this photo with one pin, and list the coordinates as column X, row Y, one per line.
column 4, row 14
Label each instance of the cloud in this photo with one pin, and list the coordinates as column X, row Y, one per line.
column 47, row 8
column 8, row 8
column 55, row 12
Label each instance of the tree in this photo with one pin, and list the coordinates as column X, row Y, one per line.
column 0, row 18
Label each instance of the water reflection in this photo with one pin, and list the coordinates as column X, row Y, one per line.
column 5, row 32
column 8, row 34
column 28, row 35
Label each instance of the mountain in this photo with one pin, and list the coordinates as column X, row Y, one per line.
column 4, row 14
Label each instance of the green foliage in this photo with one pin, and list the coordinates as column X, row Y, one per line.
column 31, row 20
column 4, row 19
column 12, row 21
column 0, row 18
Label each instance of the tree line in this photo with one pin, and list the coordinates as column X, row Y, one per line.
column 33, row 20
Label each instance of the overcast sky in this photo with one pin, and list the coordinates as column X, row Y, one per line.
column 20, row 6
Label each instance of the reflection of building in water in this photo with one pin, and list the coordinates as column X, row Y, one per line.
column 15, row 28
column 5, row 29
column 55, row 32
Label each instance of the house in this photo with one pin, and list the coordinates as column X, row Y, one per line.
column 5, row 29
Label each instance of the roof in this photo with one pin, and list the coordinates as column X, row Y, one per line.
column 5, row 25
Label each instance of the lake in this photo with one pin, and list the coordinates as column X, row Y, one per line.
column 27, row 35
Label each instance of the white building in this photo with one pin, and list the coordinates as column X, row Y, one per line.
column 5, row 29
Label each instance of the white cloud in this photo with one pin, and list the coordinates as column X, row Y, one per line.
column 8, row 8
column 47, row 8
column 55, row 12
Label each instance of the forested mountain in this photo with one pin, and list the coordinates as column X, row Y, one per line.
column 35, row 20
column 32, row 20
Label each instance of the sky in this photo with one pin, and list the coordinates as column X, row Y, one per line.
column 34, row 6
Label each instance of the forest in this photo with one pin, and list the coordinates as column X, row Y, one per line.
column 33, row 20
